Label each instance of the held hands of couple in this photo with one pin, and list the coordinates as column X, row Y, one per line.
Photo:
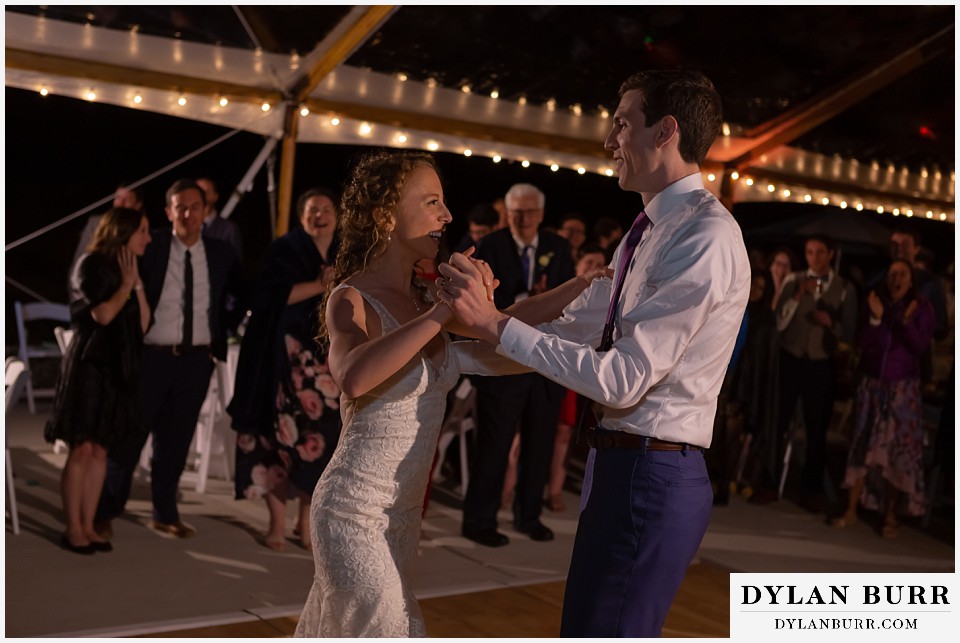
column 467, row 288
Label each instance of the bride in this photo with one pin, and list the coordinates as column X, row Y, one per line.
column 394, row 366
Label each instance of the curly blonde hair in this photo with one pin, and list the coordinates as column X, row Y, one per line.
column 371, row 194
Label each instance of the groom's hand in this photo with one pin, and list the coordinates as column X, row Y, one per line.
column 466, row 288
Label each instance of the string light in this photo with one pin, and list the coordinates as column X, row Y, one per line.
column 465, row 89
column 843, row 205
column 608, row 172
column 749, row 182
column 334, row 121
column 807, row 198
column 182, row 101
column 138, row 99
column 497, row 158
column 468, row 152
column 896, row 212
column 786, row 193
column 735, row 176
column 402, row 138
column 929, row 214
column 365, row 129
column 711, row 177
column 825, row 201
column 495, row 94
column 943, row 216
column 265, row 107
column 576, row 109
column 726, row 129
column 304, row 111
column 551, row 105
column 603, row 112
column 431, row 82
column 909, row 213
column 859, row 207
column 402, row 77
column 525, row 163
column 43, row 91
column 433, row 146
column 91, row 95
column 554, row 167
column 771, row 188
column 879, row 209
column 581, row 170
column 223, row 101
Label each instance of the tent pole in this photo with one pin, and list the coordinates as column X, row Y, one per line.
column 287, row 157
column 727, row 188
column 246, row 183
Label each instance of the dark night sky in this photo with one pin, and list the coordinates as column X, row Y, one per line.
column 63, row 154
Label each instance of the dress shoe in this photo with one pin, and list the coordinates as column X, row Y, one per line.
column 812, row 503
column 486, row 537
column 86, row 550
column 764, row 497
column 176, row 529
column 101, row 546
column 538, row 532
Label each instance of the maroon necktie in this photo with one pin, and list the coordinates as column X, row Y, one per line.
column 626, row 254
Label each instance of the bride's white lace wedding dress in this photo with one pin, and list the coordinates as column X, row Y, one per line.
column 366, row 509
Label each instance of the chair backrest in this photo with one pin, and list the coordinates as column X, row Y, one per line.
column 32, row 312
column 15, row 378
column 464, row 399
column 64, row 337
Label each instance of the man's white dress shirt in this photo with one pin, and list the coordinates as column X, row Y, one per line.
column 167, row 329
column 682, row 304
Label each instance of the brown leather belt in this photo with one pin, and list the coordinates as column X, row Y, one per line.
column 179, row 350
column 603, row 440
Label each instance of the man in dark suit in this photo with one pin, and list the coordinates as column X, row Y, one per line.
column 186, row 277
column 526, row 262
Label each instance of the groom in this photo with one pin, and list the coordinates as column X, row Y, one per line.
column 685, row 280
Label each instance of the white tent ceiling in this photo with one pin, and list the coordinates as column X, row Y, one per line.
column 350, row 105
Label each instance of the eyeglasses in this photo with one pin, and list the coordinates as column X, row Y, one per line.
column 529, row 212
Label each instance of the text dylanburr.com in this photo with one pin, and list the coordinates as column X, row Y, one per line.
column 847, row 607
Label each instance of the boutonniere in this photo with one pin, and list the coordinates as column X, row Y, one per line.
column 545, row 259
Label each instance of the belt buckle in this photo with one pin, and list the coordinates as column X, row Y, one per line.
column 603, row 440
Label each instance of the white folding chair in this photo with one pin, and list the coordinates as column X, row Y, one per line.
column 15, row 378
column 64, row 337
column 460, row 420
column 35, row 312
column 209, row 440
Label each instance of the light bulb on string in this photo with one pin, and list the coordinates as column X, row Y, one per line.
column 525, row 163
column 581, row 170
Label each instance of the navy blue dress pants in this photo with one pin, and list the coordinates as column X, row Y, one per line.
column 642, row 524
column 170, row 394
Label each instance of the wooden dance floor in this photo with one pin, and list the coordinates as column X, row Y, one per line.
column 223, row 583
column 533, row 611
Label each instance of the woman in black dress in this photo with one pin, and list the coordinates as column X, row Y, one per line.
column 285, row 407
column 95, row 403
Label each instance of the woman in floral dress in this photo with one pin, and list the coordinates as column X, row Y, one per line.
column 885, row 466
column 285, row 407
